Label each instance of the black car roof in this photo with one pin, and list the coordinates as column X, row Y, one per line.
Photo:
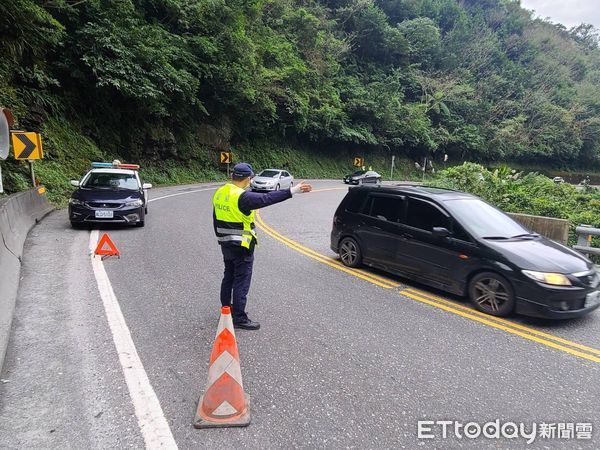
column 439, row 194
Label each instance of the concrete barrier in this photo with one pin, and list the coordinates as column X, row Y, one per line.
column 18, row 214
column 555, row 229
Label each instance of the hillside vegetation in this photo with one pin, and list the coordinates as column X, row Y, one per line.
column 303, row 83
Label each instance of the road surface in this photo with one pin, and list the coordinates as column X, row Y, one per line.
column 344, row 359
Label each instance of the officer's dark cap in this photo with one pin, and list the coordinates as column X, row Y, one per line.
column 243, row 170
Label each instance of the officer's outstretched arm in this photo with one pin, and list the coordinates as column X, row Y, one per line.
column 301, row 187
column 249, row 201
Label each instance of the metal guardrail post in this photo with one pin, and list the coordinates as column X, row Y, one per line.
column 584, row 240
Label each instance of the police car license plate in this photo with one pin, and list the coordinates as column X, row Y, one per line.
column 592, row 299
column 103, row 214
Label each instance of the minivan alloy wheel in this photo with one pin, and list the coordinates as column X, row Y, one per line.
column 491, row 293
column 350, row 252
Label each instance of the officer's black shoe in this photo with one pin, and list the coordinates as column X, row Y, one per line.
column 247, row 325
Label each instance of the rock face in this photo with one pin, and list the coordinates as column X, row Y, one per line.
column 161, row 143
column 218, row 137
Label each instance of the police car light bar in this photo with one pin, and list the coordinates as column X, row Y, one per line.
column 128, row 166
column 98, row 165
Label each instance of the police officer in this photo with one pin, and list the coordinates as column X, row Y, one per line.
column 233, row 218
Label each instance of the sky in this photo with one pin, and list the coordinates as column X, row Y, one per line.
column 568, row 12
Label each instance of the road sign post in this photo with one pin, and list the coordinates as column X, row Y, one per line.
column 392, row 170
column 1, row 186
column 32, row 173
column 28, row 146
column 226, row 158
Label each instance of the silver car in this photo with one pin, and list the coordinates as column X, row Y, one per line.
column 272, row 180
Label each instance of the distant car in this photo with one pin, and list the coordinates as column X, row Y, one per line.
column 459, row 243
column 109, row 193
column 558, row 180
column 272, row 180
column 363, row 177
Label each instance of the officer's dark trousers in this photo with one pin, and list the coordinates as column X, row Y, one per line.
column 236, row 280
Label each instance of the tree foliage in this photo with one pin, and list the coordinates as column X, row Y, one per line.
column 473, row 79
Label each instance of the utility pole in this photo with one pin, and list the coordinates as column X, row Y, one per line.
column 392, row 170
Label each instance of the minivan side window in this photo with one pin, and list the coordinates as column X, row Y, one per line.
column 425, row 216
column 458, row 232
column 354, row 202
column 386, row 208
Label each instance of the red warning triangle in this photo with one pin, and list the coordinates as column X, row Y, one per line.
column 112, row 249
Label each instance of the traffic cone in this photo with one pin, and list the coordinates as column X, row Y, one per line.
column 224, row 403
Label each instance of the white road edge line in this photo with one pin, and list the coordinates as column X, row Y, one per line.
column 150, row 416
column 151, row 419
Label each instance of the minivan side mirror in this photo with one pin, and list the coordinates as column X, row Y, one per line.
column 440, row 232
column 146, row 186
column 75, row 183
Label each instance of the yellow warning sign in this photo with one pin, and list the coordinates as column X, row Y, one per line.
column 226, row 157
column 359, row 162
column 27, row 145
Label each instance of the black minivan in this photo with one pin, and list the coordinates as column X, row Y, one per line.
column 459, row 243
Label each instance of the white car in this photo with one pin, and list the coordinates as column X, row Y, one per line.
column 272, row 180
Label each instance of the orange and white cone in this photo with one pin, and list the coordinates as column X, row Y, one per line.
column 224, row 403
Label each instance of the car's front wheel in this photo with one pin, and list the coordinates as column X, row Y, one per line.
column 491, row 293
column 350, row 253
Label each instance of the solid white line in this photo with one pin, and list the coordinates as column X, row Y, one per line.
column 150, row 416
column 182, row 193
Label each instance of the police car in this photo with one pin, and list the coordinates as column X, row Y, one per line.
column 109, row 192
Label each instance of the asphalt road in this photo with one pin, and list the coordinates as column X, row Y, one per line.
column 343, row 359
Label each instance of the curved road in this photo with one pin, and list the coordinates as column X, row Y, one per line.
column 343, row 359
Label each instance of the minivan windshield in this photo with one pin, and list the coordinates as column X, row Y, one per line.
column 483, row 220
column 268, row 173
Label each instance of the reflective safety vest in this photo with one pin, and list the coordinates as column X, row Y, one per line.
column 232, row 226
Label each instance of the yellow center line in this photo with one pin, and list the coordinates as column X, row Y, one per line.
column 500, row 320
column 338, row 264
column 525, row 332
column 379, row 281
column 508, row 329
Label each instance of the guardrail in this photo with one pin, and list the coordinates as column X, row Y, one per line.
column 18, row 214
column 584, row 240
column 555, row 229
